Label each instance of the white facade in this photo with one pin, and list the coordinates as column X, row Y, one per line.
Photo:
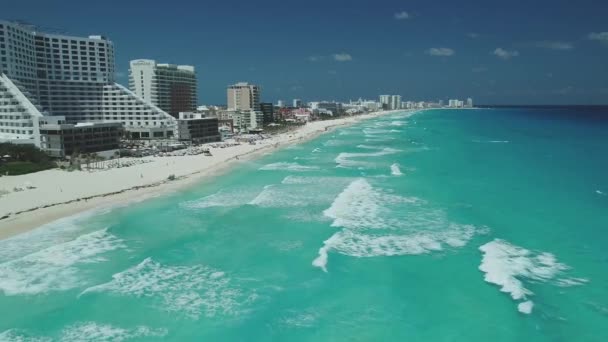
column 395, row 102
column 243, row 120
column 297, row 103
column 385, row 100
column 64, row 76
column 170, row 87
column 470, row 102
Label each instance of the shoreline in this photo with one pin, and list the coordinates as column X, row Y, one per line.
column 66, row 193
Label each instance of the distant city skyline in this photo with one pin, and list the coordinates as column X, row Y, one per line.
column 495, row 53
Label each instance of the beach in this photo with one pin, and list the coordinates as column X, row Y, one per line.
column 59, row 193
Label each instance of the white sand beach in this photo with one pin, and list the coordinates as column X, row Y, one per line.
column 58, row 193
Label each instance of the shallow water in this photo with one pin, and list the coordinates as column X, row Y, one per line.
column 467, row 225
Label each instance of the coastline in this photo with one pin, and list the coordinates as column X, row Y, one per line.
column 60, row 193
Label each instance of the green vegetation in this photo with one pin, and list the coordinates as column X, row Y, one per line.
column 22, row 159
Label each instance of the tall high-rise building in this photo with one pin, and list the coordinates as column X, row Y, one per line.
column 267, row 108
column 170, row 87
column 44, row 74
column 395, row 102
column 470, row 102
column 243, row 96
column 280, row 104
column 385, row 101
column 297, row 103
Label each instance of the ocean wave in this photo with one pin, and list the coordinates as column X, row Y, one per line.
column 371, row 132
column 223, row 198
column 395, row 171
column 284, row 166
column 508, row 266
column 301, row 180
column 362, row 245
column 93, row 331
column 359, row 205
column 18, row 335
column 189, row 290
column 335, row 142
column 491, row 141
column 376, row 223
column 345, row 159
column 296, row 191
column 54, row 268
column 87, row 331
column 50, row 234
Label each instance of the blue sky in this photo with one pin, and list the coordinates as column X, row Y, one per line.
column 498, row 52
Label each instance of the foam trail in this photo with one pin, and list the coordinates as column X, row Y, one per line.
column 283, row 166
column 507, row 266
column 395, row 171
column 93, row 331
column 190, row 290
column 223, row 198
column 54, row 268
column 525, row 307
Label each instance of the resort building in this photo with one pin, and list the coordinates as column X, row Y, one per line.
column 267, row 108
column 169, row 87
column 196, row 127
column 395, row 102
column 60, row 139
column 47, row 74
column 297, row 103
column 243, row 120
column 243, row 96
column 390, row 102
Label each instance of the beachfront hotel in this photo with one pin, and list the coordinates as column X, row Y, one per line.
column 170, row 87
column 390, row 102
column 243, row 96
column 47, row 74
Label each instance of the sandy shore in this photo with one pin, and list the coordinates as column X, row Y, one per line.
column 60, row 193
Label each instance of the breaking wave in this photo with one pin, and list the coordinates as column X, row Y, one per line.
column 189, row 290
column 283, row 166
column 54, row 268
column 376, row 223
column 508, row 266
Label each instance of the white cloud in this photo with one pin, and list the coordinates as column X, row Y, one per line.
column 599, row 36
column 505, row 54
column 473, row 35
column 402, row 15
column 480, row 69
column 342, row 57
column 553, row 45
column 445, row 52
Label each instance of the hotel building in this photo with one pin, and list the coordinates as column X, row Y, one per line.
column 47, row 74
column 170, row 87
column 243, row 96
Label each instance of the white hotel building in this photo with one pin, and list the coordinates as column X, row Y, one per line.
column 44, row 74
column 170, row 87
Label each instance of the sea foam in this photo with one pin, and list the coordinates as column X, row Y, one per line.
column 349, row 160
column 508, row 266
column 189, row 290
column 223, row 198
column 54, row 268
column 376, row 223
column 395, row 171
column 284, row 166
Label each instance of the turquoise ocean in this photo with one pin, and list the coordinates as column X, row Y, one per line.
column 446, row 225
